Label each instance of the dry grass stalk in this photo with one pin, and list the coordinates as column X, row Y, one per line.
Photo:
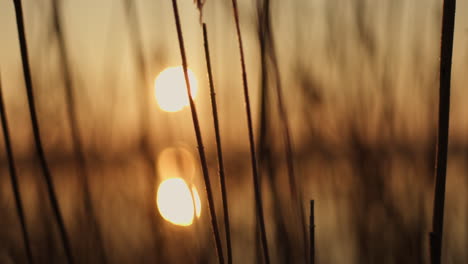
column 198, row 135
column 448, row 24
column 219, row 149
column 74, row 129
column 256, row 179
column 144, row 143
column 14, row 179
column 267, row 38
column 312, row 232
column 36, row 132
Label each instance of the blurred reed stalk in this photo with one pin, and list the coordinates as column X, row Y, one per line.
column 74, row 129
column 198, row 135
column 268, row 45
column 256, row 180
column 14, row 179
column 219, row 150
column 136, row 41
column 36, row 132
column 265, row 143
column 312, row 232
column 448, row 24
column 143, row 96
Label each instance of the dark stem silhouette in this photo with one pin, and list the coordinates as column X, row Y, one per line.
column 312, row 232
column 36, row 132
column 219, row 149
column 14, row 179
column 71, row 111
column 256, row 179
column 448, row 24
column 296, row 193
column 198, row 135
column 144, row 143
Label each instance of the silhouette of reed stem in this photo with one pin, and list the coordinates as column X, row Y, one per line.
column 256, row 180
column 136, row 40
column 198, row 135
column 36, row 132
column 74, row 128
column 287, row 138
column 144, row 127
column 448, row 24
column 219, row 149
column 312, row 232
column 14, row 179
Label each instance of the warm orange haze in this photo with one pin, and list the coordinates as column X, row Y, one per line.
column 104, row 160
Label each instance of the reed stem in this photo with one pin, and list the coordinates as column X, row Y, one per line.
column 74, row 128
column 448, row 24
column 144, row 142
column 219, row 149
column 256, row 180
column 312, row 232
column 198, row 135
column 36, row 132
column 136, row 41
column 296, row 193
column 14, row 179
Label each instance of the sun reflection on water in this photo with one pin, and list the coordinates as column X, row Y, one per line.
column 177, row 197
column 177, row 203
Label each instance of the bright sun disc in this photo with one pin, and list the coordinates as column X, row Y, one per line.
column 176, row 203
column 171, row 90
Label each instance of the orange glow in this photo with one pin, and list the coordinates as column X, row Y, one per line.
column 176, row 162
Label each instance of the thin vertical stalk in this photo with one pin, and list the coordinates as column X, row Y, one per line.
column 265, row 141
column 136, row 41
column 14, row 179
column 256, row 180
column 264, row 163
column 296, row 193
column 287, row 138
column 36, row 132
column 74, row 129
column 448, row 24
column 144, row 143
column 312, row 232
column 198, row 135
column 219, row 149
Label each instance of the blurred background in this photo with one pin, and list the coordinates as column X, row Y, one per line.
column 360, row 85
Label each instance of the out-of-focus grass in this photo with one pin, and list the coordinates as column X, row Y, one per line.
column 360, row 82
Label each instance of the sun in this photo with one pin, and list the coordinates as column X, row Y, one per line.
column 177, row 203
column 171, row 91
